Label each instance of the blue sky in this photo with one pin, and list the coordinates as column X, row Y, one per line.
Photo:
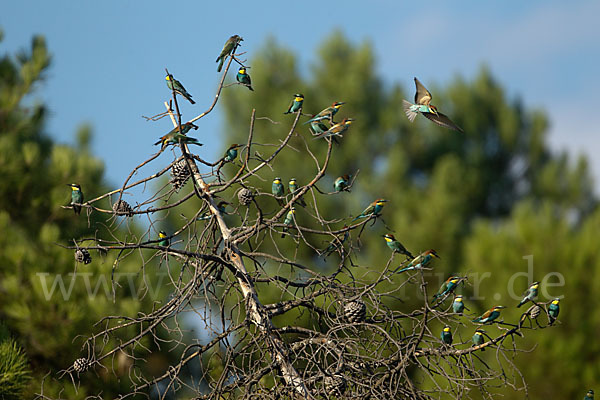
column 109, row 58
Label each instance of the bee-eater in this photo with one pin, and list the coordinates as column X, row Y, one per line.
column 420, row 261
column 589, row 395
column 373, row 209
column 76, row 197
column 341, row 183
column 458, row 306
column 244, row 78
column 229, row 48
column 165, row 242
column 422, row 100
column 337, row 129
column 296, row 103
column 446, row 335
column 231, row 153
column 478, row 338
column 395, row 245
column 327, row 113
column 293, row 188
column 175, row 85
column 490, row 315
column 173, row 137
column 553, row 310
column 288, row 221
column 448, row 286
column 335, row 244
column 530, row 294
column 318, row 127
column 278, row 190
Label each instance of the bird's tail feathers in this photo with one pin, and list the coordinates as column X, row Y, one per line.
column 410, row 114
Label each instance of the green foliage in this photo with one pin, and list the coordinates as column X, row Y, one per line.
column 14, row 371
column 46, row 298
column 483, row 199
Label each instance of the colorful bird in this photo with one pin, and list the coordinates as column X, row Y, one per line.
column 296, row 103
column 244, row 78
column 490, row 315
column 420, row 261
column 293, row 188
column 446, row 335
column 164, row 239
column 221, row 206
column 341, row 183
column 553, row 310
column 395, row 245
column 589, row 395
column 373, row 209
column 335, row 244
column 530, row 294
column 327, row 113
column 478, row 338
column 448, row 286
column 231, row 153
column 288, row 221
column 229, row 48
column 458, row 306
column 318, row 127
column 175, row 85
column 337, row 129
column 76, row 197
column 278, row 190
column 422, row 100
column 173, row 137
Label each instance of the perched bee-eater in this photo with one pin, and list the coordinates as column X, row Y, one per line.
column 165, row 242
column 335, row 244
column 231, row 153
column 278, row 190
column 76, row 197
column 243, row 77
column 296, row 103
column 553, row 310
column 175, row 85
column 446, row 335
column 458, row 306
column 229, row 48
column 589, row 395
column 174, row 137
column 341, row 183
column 422, row 100
column 395, row 245
column 420, row 261
column 530, row 294
column 337, row 129
column 327, row 113
column 478, row 338
column 293, row 188
column 490, row 315
column 373, row 209
column 448, row 286
column 288, row 221
column 318, row 127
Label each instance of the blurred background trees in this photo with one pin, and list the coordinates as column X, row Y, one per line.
column 483, row 199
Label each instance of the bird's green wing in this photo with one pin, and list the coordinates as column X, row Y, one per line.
column 443, row 121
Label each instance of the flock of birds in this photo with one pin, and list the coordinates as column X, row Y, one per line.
column 324, row 126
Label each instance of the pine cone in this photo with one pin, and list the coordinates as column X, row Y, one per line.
column 180, row 173
column 355, row 311
column 83, row 256
column 81, row 365
column 245, row 196
column 334, row 385
column 122, row 207
column 535, row 312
